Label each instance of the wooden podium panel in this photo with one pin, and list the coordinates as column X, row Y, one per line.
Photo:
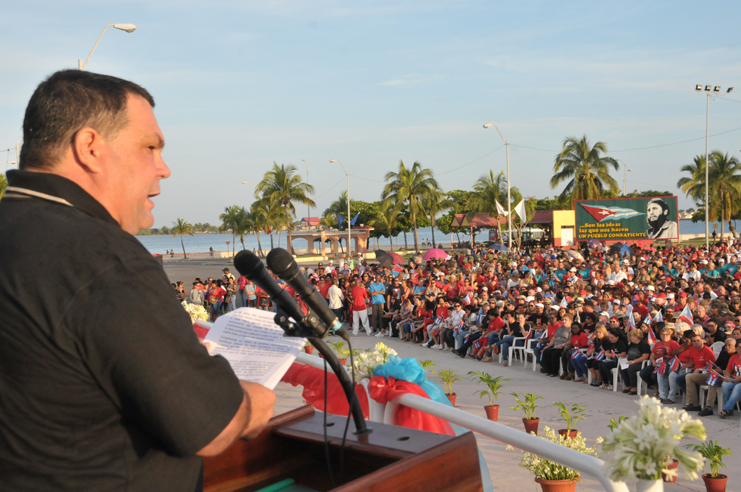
column 390, row 458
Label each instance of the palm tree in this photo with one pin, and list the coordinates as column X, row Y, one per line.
column 283, row 186
column 724, row 185
column 386, row 221
column 435, row 203
column 229, row 222
column 258, row 217
column 409, row 186
column 242, row 224
column 179, row 228
column 3, row 185
column 588, row 170
column 269, row 216
column 487, row 191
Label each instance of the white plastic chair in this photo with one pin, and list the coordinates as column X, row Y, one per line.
column 529, row 349
column 717, row 347
column 640, row 380
column 519, row 349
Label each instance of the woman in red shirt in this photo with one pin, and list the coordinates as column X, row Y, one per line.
column 731, row 386
column 579, row 340
column 663, row 349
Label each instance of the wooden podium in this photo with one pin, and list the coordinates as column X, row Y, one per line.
column 389, row 459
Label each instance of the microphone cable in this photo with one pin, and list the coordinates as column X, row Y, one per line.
column 326, row 439
column 347, row 422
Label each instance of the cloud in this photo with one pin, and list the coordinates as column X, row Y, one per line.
column 410, row 79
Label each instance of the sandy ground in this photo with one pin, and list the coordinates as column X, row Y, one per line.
column 601, row 405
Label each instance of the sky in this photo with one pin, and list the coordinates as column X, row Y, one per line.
column 239, row 85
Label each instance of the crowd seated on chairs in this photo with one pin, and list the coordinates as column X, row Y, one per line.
column 657, row 321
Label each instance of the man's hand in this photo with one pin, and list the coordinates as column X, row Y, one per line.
column 261, row 401
column 252, row 415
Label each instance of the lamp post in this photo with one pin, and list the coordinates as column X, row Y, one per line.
column 716, row 91
column 122, row 27
column 349, row 233
column 307, row 182
column 625, row 179
column 509, row 198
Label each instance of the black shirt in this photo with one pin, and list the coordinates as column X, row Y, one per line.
column 103, row 384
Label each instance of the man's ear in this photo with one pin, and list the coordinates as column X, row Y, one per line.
column 87, row 147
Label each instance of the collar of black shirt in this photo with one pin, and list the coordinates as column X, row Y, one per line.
column 59, row 187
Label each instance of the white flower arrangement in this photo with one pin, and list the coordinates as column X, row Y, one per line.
column 195, row 311
column 642, row 446
column 366, row 362
column 546, row 469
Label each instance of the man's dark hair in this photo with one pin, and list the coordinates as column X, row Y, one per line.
column 68, row 101
column 662, row 204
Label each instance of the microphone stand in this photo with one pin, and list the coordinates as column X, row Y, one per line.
column 299, row 329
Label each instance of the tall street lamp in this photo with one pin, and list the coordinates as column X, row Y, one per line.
column 625, row 179
column 349, row 234
column 122, row 27
column 307, row 182
column 509, row 198
column 709, row 90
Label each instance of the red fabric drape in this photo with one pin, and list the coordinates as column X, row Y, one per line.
column 312, row 379
column 384, row 391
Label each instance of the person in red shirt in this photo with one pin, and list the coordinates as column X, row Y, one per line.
column 731, row 386
column 663, row 349
column 324, row 286
column 578, row 341
column 358, row 295
column 700, row 356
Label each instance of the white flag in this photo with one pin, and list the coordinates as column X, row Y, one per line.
column 520, row 209
column 500, row 209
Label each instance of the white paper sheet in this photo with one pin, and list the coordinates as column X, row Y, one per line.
column 254, row 345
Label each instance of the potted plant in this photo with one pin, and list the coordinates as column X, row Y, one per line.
column 425, row 364
column 553, row 476
column 639, row 445
column 571, row 417
column 309, row 348
column 448, row 377
column 713, row 454
column 526, row 403
column 493, row 390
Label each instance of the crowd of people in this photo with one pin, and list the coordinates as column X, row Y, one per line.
column 670, row 317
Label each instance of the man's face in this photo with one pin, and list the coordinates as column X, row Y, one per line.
column 655, row 215
column 133, row 168
column 697, row 342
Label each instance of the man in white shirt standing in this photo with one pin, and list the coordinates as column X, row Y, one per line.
column 334, row 299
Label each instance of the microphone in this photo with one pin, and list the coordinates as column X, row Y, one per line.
column 281, row 262
column 249, row 265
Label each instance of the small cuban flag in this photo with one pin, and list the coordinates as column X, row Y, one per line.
column 686, row 315
column 600, row 355
column 648, row 319
column 674, row 366
column 576, row 355
column 477, row 344
column 659, row 318
column 481, row 316
column 439, row 320
column 459, row 328
column 467, row 299
column 564, row 303
column 709, row 367
column 714, row 379
column 631, row 323
column 650, row 336
column 660, row 366
column 591, row 345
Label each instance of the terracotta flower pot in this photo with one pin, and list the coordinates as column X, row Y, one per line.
column 715, row 484
column 309, row 349
column 531, row 425
column 557, row 485
column 572, row 433
column 492, row 412
column 452, row 398
column 343, row 361
column 673, row 466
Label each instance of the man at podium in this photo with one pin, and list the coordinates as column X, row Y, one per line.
column 103, row 384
